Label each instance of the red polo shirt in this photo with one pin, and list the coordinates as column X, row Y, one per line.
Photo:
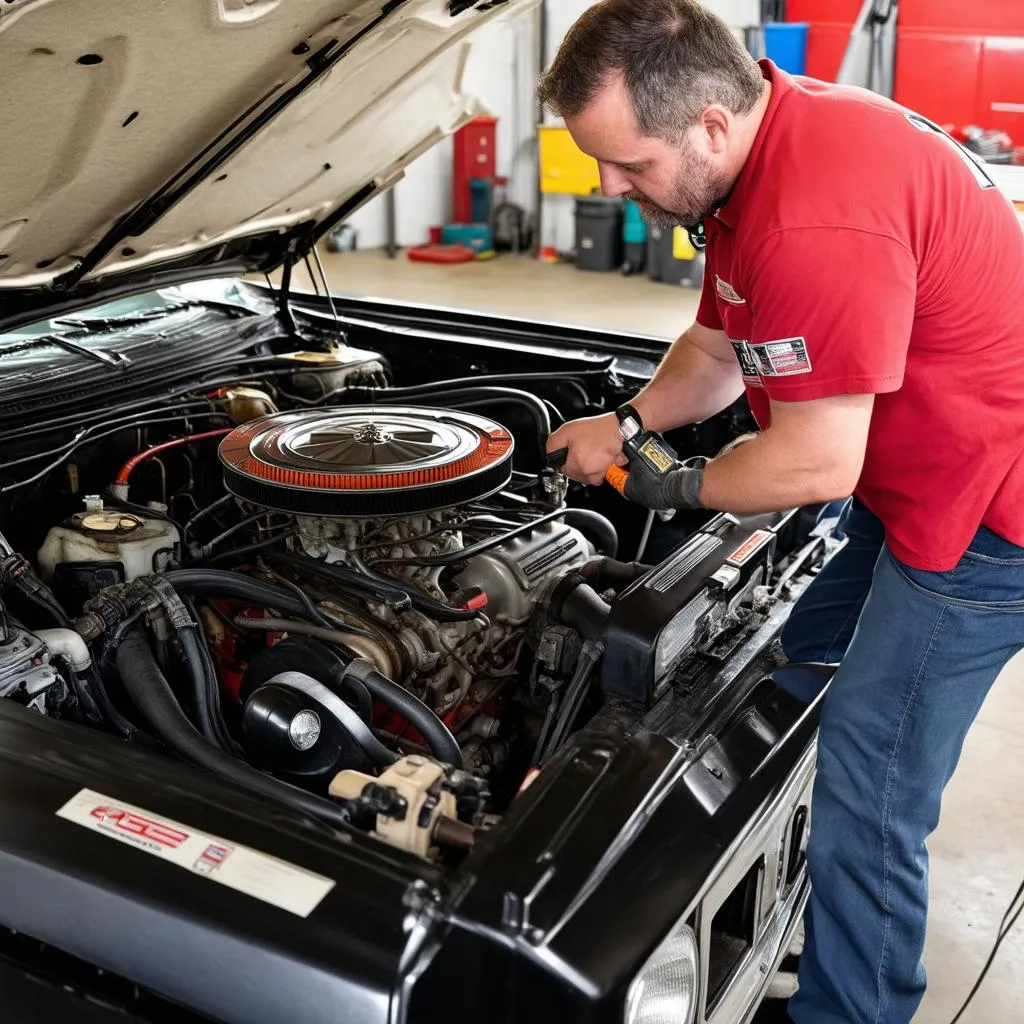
column 862, row 251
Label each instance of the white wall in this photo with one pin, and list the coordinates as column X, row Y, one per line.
column 503, row 71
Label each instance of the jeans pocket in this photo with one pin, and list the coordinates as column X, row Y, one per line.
column 981, row 582
column 988, row 547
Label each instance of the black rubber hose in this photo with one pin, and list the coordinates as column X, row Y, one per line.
column 596, row 528
column 485, row 380
column 249, row 549
column 218, row 583
column 375, row 585
column 152, row 695
column 439, row 738
column 465, row 554
column 609, row 574
column 200, row 685
column 195, row 641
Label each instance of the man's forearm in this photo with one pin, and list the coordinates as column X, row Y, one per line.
column 770, row 473
column 690, row 385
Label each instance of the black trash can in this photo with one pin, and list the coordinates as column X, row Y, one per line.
column 664, row 262
column 598, row 233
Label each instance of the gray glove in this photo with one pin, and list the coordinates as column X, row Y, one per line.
column 679, row 488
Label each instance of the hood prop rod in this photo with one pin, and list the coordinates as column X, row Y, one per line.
column 284, row 293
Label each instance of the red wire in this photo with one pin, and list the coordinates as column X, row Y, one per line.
column 126, row 469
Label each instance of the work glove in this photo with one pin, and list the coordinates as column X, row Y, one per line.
column 678, row 488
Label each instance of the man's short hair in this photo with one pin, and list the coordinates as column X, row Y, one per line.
column 675, row 56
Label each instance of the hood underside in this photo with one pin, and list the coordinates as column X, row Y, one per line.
column 135, row 135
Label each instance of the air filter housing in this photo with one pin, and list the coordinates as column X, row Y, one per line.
column 366, row 460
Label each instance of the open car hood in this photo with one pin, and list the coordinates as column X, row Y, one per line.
column 143, row 137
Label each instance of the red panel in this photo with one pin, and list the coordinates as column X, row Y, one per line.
column 946, row 98
column 977, row 17
column 1001, row 92
column 818, row 12
column 826, row 45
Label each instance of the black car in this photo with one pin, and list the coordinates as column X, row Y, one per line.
column 326, row 698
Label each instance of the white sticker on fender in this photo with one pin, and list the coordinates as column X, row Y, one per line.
column 247, row 871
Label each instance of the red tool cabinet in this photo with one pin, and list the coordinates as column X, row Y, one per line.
column 958, row 63
column 475, row 145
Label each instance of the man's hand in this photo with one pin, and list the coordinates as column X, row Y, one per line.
column 594, row 444
column 679, row 488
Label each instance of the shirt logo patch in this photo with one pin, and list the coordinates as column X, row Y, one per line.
column 727, row 292
column 784, row 358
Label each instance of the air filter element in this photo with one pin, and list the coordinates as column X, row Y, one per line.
column 366, row 461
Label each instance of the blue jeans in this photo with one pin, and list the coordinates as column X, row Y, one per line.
column 918, row 652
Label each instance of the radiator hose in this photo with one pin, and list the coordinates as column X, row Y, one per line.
column 148, row 688
column 439, row 738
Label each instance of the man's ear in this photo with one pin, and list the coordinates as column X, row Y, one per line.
column 717, row 123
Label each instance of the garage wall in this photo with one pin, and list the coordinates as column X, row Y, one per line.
column 503, row 72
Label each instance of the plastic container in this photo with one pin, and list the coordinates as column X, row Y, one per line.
column 599, row 243
column 634, row 237
column 481, row 200
column 785, row 44
column 477, row 237
column 142, row 546
column 672, row 259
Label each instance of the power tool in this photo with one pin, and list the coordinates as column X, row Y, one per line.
column 638, row 443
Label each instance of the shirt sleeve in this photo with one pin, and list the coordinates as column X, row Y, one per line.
column 832, row 310
column 707, row 312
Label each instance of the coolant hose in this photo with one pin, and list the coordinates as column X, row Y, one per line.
column 218, row 583
column 596, row 528
column 148, row 688
column 440, row 740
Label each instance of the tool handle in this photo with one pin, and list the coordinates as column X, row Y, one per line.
column 617, row 477
column 557, row 458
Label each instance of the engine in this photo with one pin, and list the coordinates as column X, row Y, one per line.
column 388, row 605
column 389, row 502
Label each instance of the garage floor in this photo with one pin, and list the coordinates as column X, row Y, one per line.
column 977, row 854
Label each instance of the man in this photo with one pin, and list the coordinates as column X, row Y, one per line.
column 863, row 288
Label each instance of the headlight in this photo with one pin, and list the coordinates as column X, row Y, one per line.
column 665, row 990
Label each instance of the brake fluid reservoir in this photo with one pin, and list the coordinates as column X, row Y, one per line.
column 142, row 545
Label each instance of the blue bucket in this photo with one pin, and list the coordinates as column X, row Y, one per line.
column 785, row 45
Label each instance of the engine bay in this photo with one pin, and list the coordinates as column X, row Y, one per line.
column 354, row 587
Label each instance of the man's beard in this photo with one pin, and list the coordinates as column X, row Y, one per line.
column 697, row 194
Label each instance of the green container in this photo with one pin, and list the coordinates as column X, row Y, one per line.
column 634, row 229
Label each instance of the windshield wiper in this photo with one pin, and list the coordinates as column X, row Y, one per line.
column 100, row 355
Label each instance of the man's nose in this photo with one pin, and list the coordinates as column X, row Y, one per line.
column 613, row 182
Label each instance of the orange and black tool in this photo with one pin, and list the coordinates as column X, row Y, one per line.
column 646, row 445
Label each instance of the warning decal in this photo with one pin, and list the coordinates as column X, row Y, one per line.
column 259, row 875
column 782, row 358
column 749, row 548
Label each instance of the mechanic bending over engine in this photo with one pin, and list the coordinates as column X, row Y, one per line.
column 862, row 285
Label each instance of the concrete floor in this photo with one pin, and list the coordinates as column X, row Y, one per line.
column 977, row 854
